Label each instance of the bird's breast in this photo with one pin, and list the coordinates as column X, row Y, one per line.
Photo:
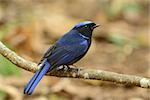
column 83, row 43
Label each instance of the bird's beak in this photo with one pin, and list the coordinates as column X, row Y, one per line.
column 96, row 26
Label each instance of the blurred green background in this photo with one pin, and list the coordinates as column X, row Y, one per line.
column 120, row 44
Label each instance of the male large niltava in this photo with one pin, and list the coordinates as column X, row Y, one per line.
column 66, row 51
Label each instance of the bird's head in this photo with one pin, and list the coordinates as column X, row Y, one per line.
column 85, row 28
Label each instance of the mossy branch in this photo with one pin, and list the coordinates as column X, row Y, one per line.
column 92, row 74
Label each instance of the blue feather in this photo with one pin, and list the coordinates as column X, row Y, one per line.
column 83, row 23
column 66, row 51
column 45, row 66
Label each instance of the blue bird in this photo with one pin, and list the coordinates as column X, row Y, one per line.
column 66, row 51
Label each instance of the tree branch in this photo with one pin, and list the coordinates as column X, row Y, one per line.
column 77, row 72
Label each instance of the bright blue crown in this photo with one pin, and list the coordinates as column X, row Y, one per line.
column 83, row 23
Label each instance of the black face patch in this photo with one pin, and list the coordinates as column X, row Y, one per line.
column 85, row 28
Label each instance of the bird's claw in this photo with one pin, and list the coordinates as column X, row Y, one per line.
column 64, row 67
column 78, row 71
column 59, row 68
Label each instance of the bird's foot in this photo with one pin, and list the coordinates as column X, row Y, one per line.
column 59, row 68
column 66, row 68
column 63, row 67
column 78, row 71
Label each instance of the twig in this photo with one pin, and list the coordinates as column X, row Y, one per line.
column 77, row 72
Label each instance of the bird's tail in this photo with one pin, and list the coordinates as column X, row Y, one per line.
column 44, row 67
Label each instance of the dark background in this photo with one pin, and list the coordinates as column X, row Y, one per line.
column 120, row 44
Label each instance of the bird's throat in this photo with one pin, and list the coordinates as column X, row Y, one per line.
column 85, row 37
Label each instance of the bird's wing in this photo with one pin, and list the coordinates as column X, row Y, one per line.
column 59, row 55
column 48, row 53
column 72, row 53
